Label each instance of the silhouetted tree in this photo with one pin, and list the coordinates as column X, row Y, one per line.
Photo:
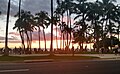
column 51, row 45
column 107, row 43
column 81, row 10
column 21, row 33
column 6, row 52
column 43, row 21
column 25, row 24
column 93, row 16
column 56, row 21
column 66, row 7
column 109, row 17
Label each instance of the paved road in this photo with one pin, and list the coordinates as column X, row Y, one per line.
column 63, row 67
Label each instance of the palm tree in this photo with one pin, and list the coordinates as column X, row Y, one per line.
column 93, row 16
column 19, row 7
column 62, row 8
column 60, row 11
column 21, row 33
column 81, row 9
column 43, row 21
column 56, row 21
column 109, row 15
column 38, row 24
column 67, row 30
column 25, row 24
column 118, row 20
column 6, row 37
column 18, row 25
column 118, row 30
column 51, row 46
column 105, row 15
column 67, row 6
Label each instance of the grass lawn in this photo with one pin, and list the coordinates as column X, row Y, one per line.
column 22, row 58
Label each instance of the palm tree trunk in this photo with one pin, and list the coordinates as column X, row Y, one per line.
column 56, row 38
column 103, row 30
column 22, row 36
column 22, row 39
column 6, row 52
column 30, row 42
column 63, row 41
column 39, row 37
column 118, row 33
column 51, row 46
column 83, row 22
column 61, row 34
column 44, row 39
column 70, row 31
column 19, row 7
column 68, row 26
column 111, row 42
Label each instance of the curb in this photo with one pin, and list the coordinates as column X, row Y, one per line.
column 42, row 60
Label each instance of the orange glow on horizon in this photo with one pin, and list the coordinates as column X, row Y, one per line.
column 35, row 44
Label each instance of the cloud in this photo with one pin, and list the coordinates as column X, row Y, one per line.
column 47, row 35
column 14, row 33
column 36, row 5
column 3, row 38
column 30, row 5
column 12, row 39
column 4, row 4
column 35, row 36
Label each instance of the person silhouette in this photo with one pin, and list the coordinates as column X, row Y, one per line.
column 72, row 50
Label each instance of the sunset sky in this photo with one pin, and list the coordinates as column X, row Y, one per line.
column 36, row 6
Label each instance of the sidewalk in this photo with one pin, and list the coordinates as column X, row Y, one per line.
column 102, row 56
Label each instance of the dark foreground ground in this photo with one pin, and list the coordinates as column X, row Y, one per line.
column 63, row 67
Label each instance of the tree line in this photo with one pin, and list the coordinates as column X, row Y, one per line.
column 93, row 22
